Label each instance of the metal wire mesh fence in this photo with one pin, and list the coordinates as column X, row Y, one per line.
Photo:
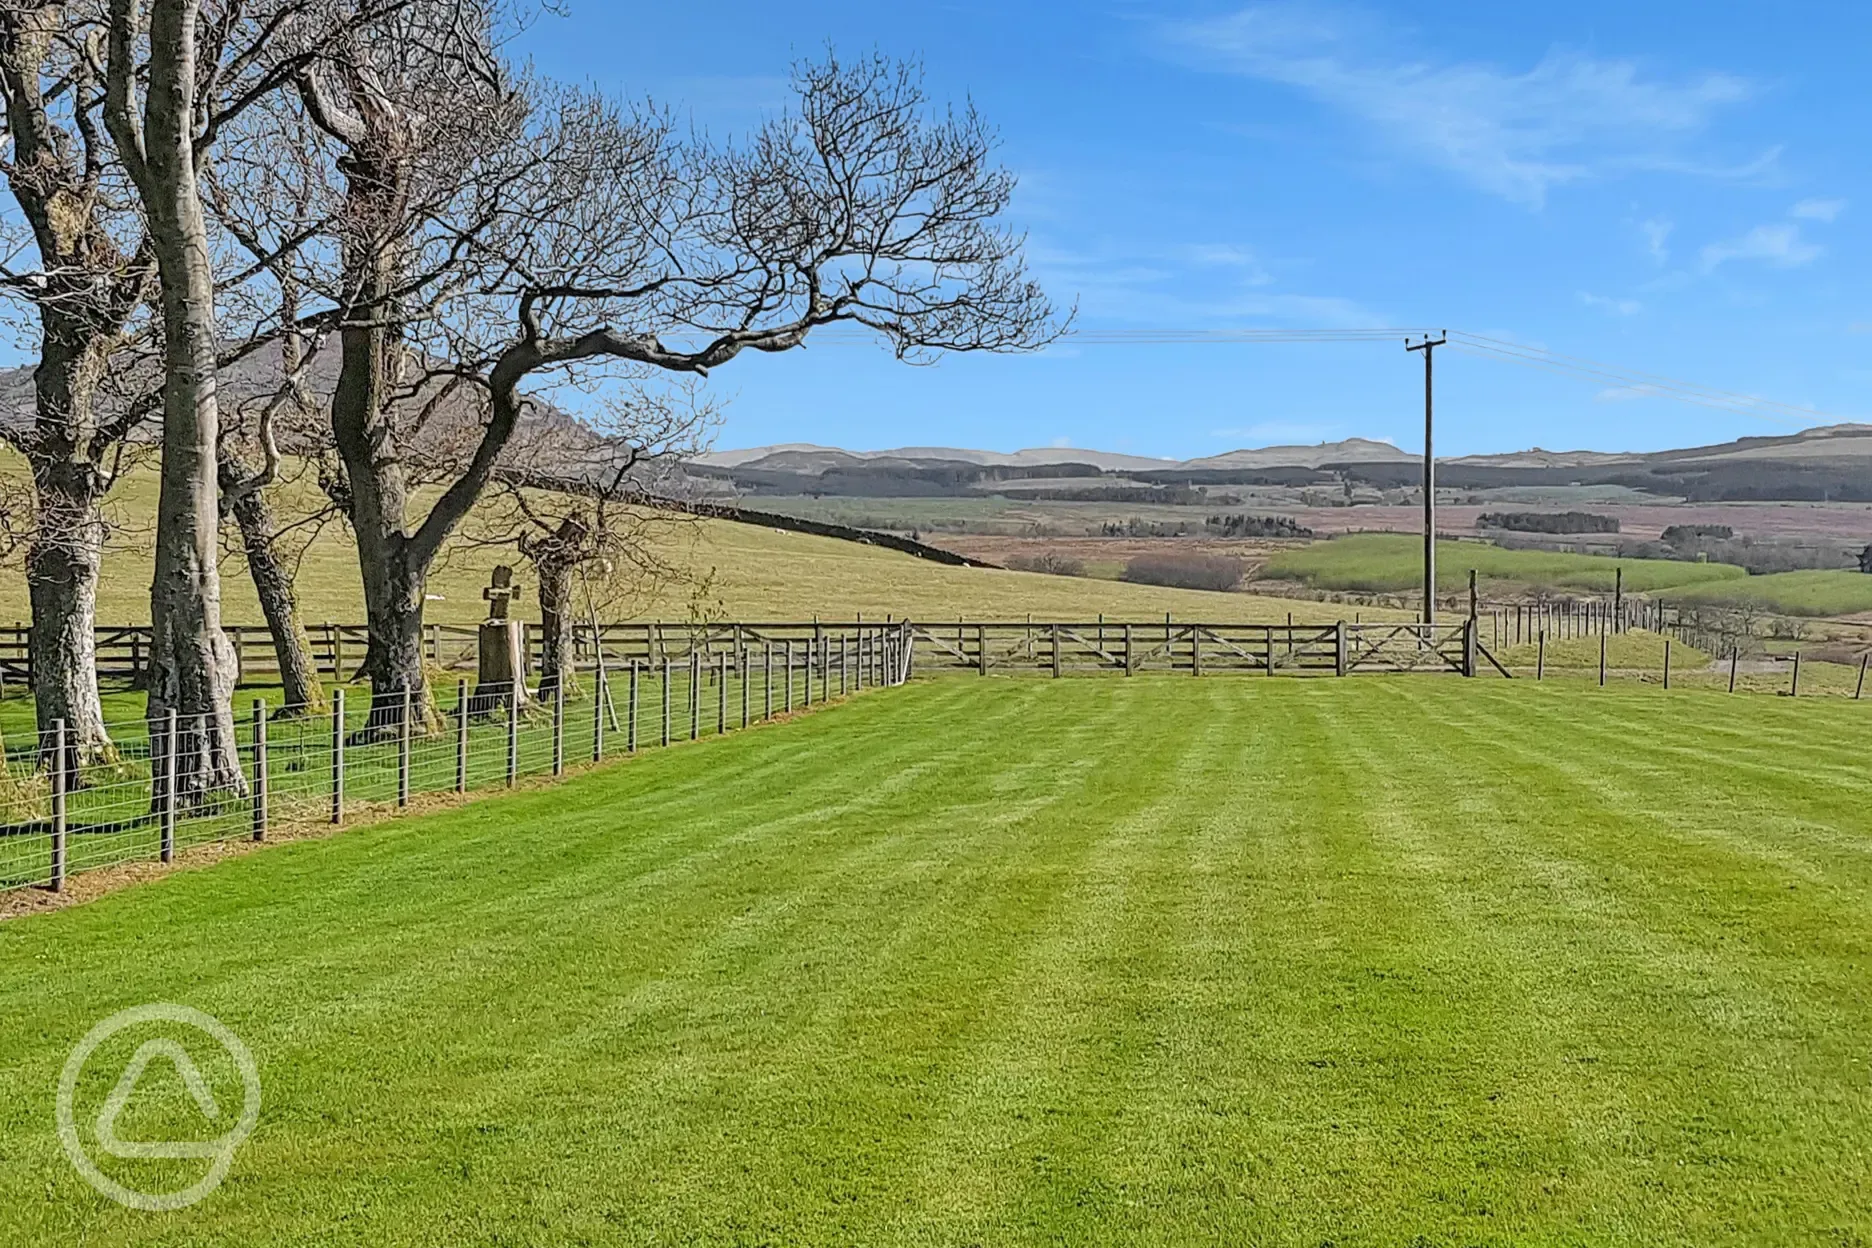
column 170, row 783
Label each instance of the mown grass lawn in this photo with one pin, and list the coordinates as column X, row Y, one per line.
column 1373, row 961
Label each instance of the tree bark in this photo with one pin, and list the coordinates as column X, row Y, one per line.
column 555, row 599
column 192, row 665
column 279, row 602
column 65, row 555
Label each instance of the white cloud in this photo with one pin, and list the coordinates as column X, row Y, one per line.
column 1618, row 307
column 1818, row 209
column 1514, row 134
column 1657, row 234
column 1780, row 245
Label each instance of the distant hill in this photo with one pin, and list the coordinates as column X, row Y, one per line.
column 1829, row 463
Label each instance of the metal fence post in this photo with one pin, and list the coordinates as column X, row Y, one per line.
column 403, row 749
column 1602, row 659
column 1859, row 689
column 558, row 726
column 747, row 690
column 721, row 693
column 789, row 677
column 171, row 769
column 1735, row 659
column 844, row 663
column 513, row 731
column 337, row 756
column 261, row 779
column 1540, row 657
column 602, row 694
column 630, row 731
column 766, row 681
column 668, row 667
column 1794, row 689
column 1667, row 645
column 806, row 674
column 695, row 694
column 461, row 736
column 57, row 881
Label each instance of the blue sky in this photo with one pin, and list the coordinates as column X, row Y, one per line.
column 1675, row 187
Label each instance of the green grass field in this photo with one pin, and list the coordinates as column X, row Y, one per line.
column 754, row 573
column 1809, row 593
column 1392, row 563
column 1374, row 961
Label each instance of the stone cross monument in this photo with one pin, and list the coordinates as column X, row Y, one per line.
column 502, row 668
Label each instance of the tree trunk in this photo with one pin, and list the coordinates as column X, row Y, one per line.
column 555, row 599
column 192, row 667
column 279, row 603
column 393, row 606
column 66, row 553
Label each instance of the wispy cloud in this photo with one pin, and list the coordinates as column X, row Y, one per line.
column 1779, row 245
column 1618, row 307
column 1625, row 394
column 1657, row 234
column 1818, row 209
column 1516, row 134
column 1192, row 285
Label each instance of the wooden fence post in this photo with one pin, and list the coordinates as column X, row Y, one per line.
column 1794, row 689
column 461, row 736
column 261, row 779
column 1339, row 648
column 337, row 757
column 59, row 780
column 1602, row 660
column 766, row 681
column 1735, row 656
column 721, row 693
column 668, row 667
column 981, row 649
column 1859, row 689
column 1469, row 646
column 1667, row 645
column 1129, row 666
column 806, row 674
column 1195, row 650
column 1267, row 632
column 1540, row 657
column 789, row 676
column 403, row 752
column 1056, row 651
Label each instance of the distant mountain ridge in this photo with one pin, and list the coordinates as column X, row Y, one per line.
column 1846, row 441
column 1829, row 463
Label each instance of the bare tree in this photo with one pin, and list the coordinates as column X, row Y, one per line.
column 174, row 81
column 540, row 235
column 82, row 268
column 594, row 509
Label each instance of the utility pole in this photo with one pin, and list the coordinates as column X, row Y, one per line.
column 1428, row 346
